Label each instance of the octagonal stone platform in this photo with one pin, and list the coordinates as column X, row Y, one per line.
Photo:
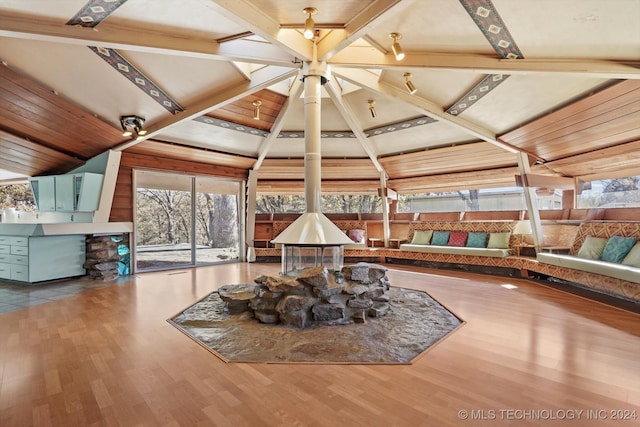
column 238, row 324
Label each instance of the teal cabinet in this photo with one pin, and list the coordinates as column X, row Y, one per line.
column 34, row 259
column 44, row 192
column 78, row 192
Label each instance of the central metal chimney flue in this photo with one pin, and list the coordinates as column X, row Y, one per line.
column 313, row 228
column 312, row 144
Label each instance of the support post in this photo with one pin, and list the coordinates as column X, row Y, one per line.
column 250, row 222
column 531, row 201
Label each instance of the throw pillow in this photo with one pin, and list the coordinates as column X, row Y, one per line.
column 457, row 238
column 440, row 238
column 592, row 247
column 617, row 248
column 421, row 237
column 357, row 235
column 633, row 257
column 477, row 240
column 499, row 240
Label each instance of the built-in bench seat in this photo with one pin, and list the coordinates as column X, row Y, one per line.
column 612, row 278
column 604, row 268
column 487, row 229
column 457, row 250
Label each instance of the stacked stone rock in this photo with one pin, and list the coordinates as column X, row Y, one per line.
column 101, row 258
column 314, row 297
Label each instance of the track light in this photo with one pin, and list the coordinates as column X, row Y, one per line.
column 395, row 47
column 309, row 31
column 372, row 109
column 407, row 82
column 131, row 124
column 256, row 109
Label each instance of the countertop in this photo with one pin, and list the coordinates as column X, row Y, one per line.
column 59, row 229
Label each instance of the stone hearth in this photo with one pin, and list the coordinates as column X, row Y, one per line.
column 308, row 316
column 316, row 296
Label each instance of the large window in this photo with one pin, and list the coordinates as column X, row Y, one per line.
column 610, row 193
column 185, row 220
column 495, row 199
column 341, row 203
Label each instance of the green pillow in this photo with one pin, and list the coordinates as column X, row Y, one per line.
column 440, row 238
column 592, row 247
column 421, row 237
column 617, row 248
column 633, row 257
column 499, row 240
column 477, row 240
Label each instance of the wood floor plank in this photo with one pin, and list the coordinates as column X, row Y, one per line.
column 109, row 357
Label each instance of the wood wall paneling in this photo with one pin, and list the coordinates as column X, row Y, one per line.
column 34, row 112
column 26, row 157
column 276, row 187
column 612, row 162
column 332, row 169
column 241, row 111
column 191, row 154
column 603, row 119
column 460, row 158
column 492, row 178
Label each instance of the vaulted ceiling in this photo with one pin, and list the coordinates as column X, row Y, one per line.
column 557, row 80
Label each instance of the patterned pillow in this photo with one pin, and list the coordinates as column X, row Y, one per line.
column 592, row 247
column 499, row 240
column 617, row 248
column 440, row 238
column 457, row 238
column 422, row 237
column 477, row 240
column 357, row 235
column 633, row 257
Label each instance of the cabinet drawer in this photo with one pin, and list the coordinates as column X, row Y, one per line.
column 5, row 240
column 19, row 250
column 5, row 249
column 19, row 259
column 5, row 258
column 20, row 272
column 5, row 270
column 19, row 241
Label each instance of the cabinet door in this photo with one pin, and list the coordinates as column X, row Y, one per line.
column 65, row 193
column 44, row 192
column 89, row 188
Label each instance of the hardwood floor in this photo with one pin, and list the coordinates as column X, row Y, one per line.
column 526, row 356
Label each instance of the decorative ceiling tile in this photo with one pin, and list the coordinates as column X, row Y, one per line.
column 229, row 125
column 94, row 12
column 488, row 20
column 135, row 76
column 486, row 17
column 299, row 134
column 486, row 85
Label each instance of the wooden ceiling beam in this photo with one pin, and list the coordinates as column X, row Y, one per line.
column 358, row 27
column 261, row 79
column 370, row 81
column 372, row 58
column 132, row 39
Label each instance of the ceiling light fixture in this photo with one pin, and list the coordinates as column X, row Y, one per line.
column 309, row 31
column 407, row 82
column 131, row 124
column 256, row 109
column 395, row 47
column 372, row 109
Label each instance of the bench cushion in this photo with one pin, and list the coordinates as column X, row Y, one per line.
column 619, row 271
column 499, row 253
